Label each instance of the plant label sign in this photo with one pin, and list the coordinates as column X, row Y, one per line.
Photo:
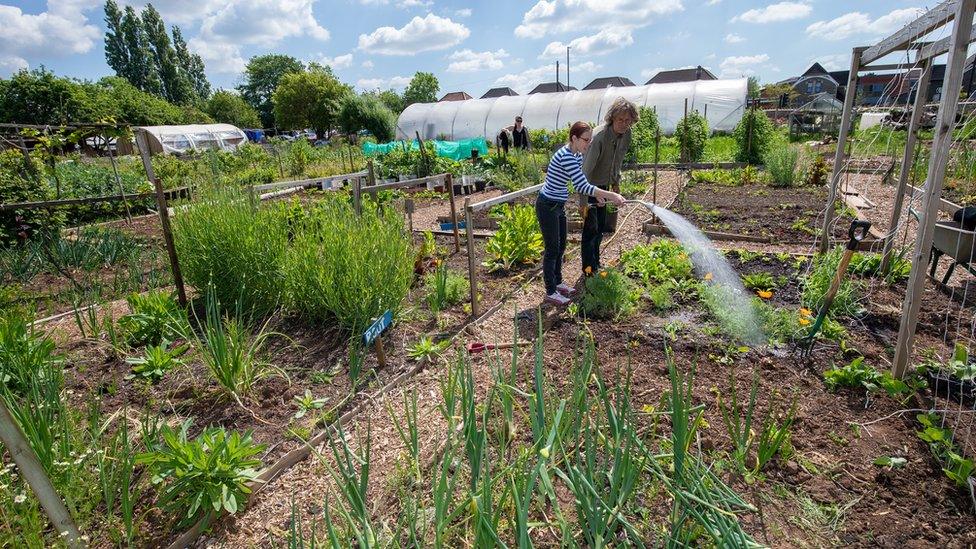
column 378, row 327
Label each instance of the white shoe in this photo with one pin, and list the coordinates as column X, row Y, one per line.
column 566, row 290
column 557, row 298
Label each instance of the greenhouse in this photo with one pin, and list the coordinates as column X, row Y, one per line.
column 721, row 101
column 193, row 137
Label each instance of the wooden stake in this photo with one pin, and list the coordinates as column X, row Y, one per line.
column 370, row 182
column 472, row 272
column 684, row 145
column 143, row 142
column 449, row 181
column 941, row 143
column 908, row 157
column 657, row 152
column 352, row 167
column 118, row 181
column 30, row 467
column 380, row 352
column 845, row 126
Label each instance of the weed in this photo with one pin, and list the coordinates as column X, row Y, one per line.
column 307, row 403
column 157, row 360
column 426, row 349
column 446, row 288
column 608, row 294
column 155, row 317
column 517, row 241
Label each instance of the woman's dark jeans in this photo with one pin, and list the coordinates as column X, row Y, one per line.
column 552, row 222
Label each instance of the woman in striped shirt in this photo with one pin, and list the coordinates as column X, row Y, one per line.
column 565, row 166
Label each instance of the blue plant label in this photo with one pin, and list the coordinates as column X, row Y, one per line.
column 378, row 327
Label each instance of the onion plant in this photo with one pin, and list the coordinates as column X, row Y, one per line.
column 408, row 431
column 351, row 473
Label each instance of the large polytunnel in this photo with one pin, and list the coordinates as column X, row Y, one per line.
column 722, row 102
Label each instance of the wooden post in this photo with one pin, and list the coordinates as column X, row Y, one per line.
column 657, row 152
column 281, row 170
column 908, row 157
column 845, row 126
column 174, row 261
column 472, row 269
column 380, row 352
column 449, row 181
column 941, row 142
column 706, row 112
column 748, row 131
column 684, row 145
column 352, row 167
column 118, row 181
column 30, row 467
column 370, row 182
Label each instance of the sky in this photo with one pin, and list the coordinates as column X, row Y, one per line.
column 471, row 46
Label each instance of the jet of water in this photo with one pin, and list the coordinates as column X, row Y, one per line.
column 724, row 292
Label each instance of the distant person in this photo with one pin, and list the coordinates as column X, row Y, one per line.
column 602, row 166
column 520, row 135
column 565, row 166
column 503, row 140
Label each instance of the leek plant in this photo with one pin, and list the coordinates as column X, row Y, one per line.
column 351, row 473
column 408, row 431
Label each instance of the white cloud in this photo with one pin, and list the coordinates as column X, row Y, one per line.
column 464, row 12
column 396, row 82
column 178, row 11
column 713, row 2
column 219, row 57
column 834, row 62
column 710, row 56
column 733, row 38
column 774, row 13
column 10, row 64
column 743, row 65
column 62, row 29
column 855, row 23
column 420, row 34
column 647, row 74
column 563, row 16
column 402, row 4
column 472, row 61
column 528, row 79
column 367, row 64
column 605, row 41
column 337, row 62
column 262, row 22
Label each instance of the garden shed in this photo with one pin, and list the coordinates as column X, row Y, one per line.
column 191, row 138
column 722, row 102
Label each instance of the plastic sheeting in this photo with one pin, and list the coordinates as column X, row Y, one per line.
column 722, row 101
column 194, row 137
column 455, row 150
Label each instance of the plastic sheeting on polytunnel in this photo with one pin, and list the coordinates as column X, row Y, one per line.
column 722, row 101
column 194, row 137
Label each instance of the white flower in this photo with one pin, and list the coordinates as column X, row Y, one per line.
column 20, row 498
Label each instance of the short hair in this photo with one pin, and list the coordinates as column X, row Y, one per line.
column 621, row 105
column 518, row 118
column 578, row 129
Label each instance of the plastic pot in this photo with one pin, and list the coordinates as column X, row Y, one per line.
column 611, row 225
column 949, row 386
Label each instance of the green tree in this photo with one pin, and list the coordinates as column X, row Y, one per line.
column 754, row 136
column 191, row 65
column 175, row 86
column 116, row 52
column 40, row 97
column 423, row 88
column 392, row 100
column 366, row 112
column 141, row 69
column 261, row 78
column 230, row 108
column 308, row 99
column 753, row 87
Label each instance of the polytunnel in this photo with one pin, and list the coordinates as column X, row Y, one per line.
column 721, row 101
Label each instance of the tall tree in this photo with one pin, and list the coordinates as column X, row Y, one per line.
column 261, row 77
column 141, row 69
column 309, row 99
column 116, row 52
column 176, row 87
column 230, row 108
column 423, row 88
column 366, row 112
column 390, row 98
column 191, row 65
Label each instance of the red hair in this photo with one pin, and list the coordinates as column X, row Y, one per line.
column 578, row 129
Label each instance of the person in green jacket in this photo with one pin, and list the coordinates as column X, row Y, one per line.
column 601, row 165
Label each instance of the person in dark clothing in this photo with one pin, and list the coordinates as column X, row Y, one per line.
column 602, row 165
column 503, row 140
column 520, row 135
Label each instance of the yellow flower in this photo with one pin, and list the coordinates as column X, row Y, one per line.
column 647, row 409
column 708, row 276
column 804, row 321
column 805, row 312
column 765, row 294
column 589, row 270
column 603, row 274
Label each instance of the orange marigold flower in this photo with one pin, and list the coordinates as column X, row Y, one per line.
column 805, row 312
column 603, row 274
column 765, row 294
column 589, row 270
column 804, row 321
column 708, row 276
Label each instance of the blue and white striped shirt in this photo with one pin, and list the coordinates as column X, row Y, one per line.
column 564, row 167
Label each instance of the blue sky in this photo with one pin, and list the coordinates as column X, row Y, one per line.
column 471, row 46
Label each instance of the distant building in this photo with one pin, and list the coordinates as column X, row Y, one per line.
column 609, row 82
column 455, row 96
column 681, row 75
column 498, row 92
column 551, row 87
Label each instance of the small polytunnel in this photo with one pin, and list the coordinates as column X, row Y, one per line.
column 194, row 137
column 722, row 102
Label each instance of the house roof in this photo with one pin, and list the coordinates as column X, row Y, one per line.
column 815, row 68
column 498, row 92
column 609, row 82
column 840, row 76
column 551, row 87
column 455, row 96
column 681, row 75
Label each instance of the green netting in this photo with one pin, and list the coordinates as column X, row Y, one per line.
column 455, row 150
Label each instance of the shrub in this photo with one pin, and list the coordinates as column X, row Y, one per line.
column 25, row 181
column 518, row 239
column 349, row 268
column 446, row 288
column 608, row 294
column 753, row 149
column 784, row 166
column 662, row 261
column 643, row 134
column 208, row 473
column 365, row 112
column 692, row 134
column 298, row 156
column 228, row 246
column 154, row 317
